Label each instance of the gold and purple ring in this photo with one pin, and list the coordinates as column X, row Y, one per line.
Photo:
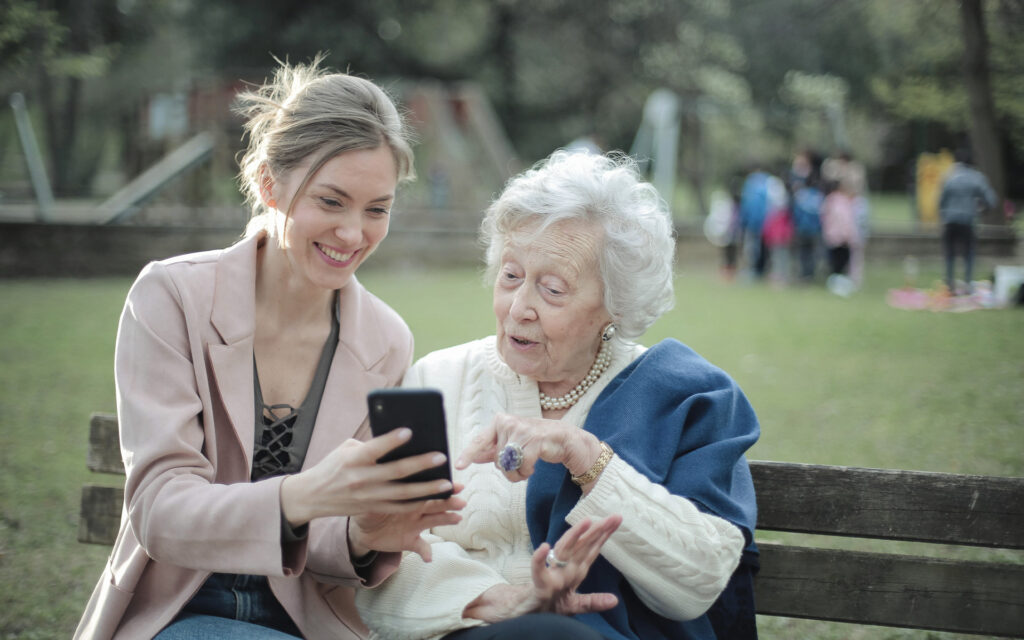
column 511, row 457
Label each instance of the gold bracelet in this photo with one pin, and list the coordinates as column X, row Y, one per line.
column 594, row 471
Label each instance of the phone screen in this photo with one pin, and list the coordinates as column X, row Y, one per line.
column 422, row 411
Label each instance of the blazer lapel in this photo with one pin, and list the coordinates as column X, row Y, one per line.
column 232, row 372
column 361, row 345
column 343, row 407
column 233, row 316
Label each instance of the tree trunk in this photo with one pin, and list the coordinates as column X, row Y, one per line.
column 982, row 121
column 694, row 150
column 504, row 50
column 60, row 102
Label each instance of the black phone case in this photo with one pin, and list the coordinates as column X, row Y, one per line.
column 422, row 411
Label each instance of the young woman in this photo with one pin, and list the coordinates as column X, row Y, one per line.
column 253, row 501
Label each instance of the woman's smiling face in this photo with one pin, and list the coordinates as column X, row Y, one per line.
column 341, row 215
column 549, row 304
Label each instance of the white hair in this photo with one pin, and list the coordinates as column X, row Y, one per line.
column 637, row 248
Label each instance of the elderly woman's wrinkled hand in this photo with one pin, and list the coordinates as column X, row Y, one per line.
column 558, row 571
column 514, row 444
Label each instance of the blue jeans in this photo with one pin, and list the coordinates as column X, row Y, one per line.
column 754, row 254
column 536, row 626
column 958, row 239
column 232, row 606
column 807, row 248
column 193, row 626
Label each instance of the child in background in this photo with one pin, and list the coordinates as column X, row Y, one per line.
column 807, row 201
column 841, row 236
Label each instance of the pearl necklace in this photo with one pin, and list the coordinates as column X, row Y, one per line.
column 600, row 365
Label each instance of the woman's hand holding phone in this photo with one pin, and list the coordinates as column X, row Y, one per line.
column 401, row 531
column 388, row 514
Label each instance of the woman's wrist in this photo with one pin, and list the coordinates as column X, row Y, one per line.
column 585, row 452
column 364, row 560
column 293, row 504
column 594, row 472
column 502, row 602
column 357, row 549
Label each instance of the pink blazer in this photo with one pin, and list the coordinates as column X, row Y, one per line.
column 184, row 372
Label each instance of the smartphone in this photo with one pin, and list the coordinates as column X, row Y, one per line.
column 422, row 411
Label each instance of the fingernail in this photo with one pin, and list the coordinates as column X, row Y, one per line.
column 405, row 433
column 444, row 486
column 459, row 463
column 438, row 459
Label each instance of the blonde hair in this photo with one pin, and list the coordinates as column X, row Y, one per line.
column 309, row 112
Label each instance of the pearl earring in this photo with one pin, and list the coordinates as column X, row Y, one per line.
column 609, row 332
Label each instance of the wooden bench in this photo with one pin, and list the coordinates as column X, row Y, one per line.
column 798, row 581
column 99, row 516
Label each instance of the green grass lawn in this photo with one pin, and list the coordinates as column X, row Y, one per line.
column 834, row 381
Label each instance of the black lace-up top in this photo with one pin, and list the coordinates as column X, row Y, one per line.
column 283, row 431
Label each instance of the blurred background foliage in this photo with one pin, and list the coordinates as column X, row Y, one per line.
column 113, row 85
column 757, row 79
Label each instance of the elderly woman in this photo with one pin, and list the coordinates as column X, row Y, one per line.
column 605, row 482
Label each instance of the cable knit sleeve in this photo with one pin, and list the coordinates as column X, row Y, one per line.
column 426, row 600
column 677, row 558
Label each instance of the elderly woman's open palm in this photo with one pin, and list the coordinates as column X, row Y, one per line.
column 559, row 570
column 557, row 574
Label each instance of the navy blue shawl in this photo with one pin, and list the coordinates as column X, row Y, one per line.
column 684, row 424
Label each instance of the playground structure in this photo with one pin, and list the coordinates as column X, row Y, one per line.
column 463, row 157
column 656, row 145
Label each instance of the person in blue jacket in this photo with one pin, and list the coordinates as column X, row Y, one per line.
column 965, row 192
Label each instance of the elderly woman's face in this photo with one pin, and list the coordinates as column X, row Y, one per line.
column 549, row 304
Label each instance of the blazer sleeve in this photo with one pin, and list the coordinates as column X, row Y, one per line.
column 175, row 510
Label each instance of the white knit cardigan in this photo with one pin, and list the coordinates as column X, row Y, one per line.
column 677, row 559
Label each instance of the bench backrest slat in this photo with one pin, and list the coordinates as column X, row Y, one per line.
column 892, row 590
column 890, row 504
column 100, row 515
column 104, row 445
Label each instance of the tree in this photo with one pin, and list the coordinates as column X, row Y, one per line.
column 959, row 70
column 755, row 78
column 982, row 120
column 50, row 61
